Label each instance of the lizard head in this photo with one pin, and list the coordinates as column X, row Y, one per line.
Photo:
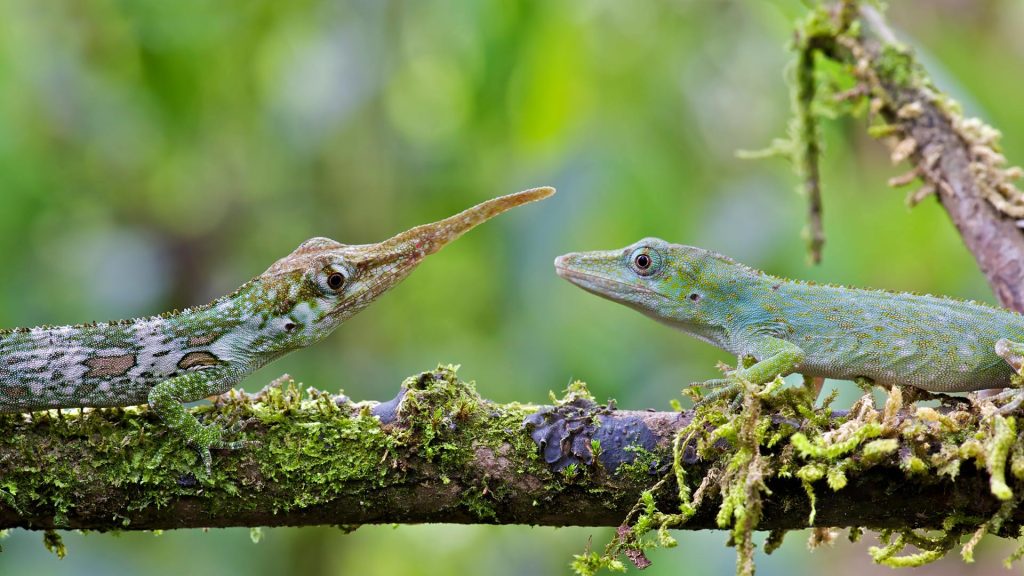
column 323, row 282
column 668, row 282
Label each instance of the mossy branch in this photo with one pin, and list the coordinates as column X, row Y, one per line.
column 440, row 453
column 957, row 158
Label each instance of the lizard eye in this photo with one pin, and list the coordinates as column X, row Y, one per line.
column 330, row 280
column 645, row 261
column 335, row 281
column 331, row 276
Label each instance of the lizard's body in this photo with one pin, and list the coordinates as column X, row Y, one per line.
column 933, row 343
column 191, row 354
column 117, row 363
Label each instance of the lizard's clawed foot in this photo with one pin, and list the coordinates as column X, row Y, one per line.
column 1013, row 353
column 1014, row 397
column 729, row 387
column 211, row 437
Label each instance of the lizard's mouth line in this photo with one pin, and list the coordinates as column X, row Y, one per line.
column 573, row 275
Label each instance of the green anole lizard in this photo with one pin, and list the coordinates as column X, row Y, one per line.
column 191, row 354
column 932, row 343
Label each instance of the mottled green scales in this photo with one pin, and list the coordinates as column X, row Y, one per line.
column 933, row 343
column 199, row 352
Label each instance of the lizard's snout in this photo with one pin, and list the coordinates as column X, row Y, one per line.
column 563, row 265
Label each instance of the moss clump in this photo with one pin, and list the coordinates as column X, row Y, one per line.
column 331, row 446
column 639, row 470
column 438, row 412
column 741, row 450
column 896, row 65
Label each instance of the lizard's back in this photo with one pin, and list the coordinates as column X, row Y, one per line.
column 103, row 364
column 933, row 343
column 100, row 364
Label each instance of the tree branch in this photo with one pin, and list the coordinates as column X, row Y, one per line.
column 957, row 158
column 440, row 453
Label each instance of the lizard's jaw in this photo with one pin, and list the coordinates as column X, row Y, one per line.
column 601, row 273
column 589, row 282
column 585, row 269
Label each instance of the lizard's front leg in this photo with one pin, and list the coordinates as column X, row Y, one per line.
column 167, row 397
column 1013, row 353
column 777, row 357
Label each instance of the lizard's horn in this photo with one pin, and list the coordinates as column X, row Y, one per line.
column 430, row 238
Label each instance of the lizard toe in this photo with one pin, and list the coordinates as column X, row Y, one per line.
column 1016, row 399
column 719, row 388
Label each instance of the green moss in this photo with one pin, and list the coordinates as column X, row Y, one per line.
column 914, row 465
column 591, row 563
column 758, row 447
column 1018, row 553
column 307, row 438
column 576, row 391
column 836, row 477
column 639, row 470
column 307, row 445
column 896, row 65
column 343, row 450
column 54, row 543
column 822, row 448
column 439, row 409
column 812, row 472
column 478, row 503
column 877, row 450
column 1004, row 432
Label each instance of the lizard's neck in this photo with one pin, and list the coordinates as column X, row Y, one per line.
column 256, row 324
column 734, row 303
column 707, row 320
column 714, row 334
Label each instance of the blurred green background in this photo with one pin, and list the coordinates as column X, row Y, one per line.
column 157, row 154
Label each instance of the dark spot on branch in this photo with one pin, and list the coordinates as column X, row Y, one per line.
column 564, row 435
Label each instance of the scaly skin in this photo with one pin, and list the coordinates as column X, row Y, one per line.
column 199, row 352
column 933, row 343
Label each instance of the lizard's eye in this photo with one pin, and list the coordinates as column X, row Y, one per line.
column 331, row 281
column 645, row 261
column 335, row 281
